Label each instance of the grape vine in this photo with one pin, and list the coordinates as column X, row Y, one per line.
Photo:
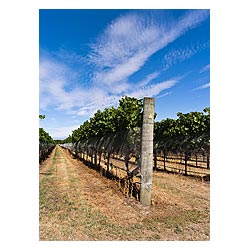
column 46, row 142
column 185, row 136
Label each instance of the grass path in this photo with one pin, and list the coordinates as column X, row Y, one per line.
column 76, row 203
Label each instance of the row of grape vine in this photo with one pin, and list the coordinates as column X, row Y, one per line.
column 187, row 136
column 46, row 143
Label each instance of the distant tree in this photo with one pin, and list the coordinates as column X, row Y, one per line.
column 41, row 116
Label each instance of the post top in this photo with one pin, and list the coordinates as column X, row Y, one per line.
column 148, row 99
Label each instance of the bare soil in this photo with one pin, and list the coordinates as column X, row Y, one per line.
column 77, row 203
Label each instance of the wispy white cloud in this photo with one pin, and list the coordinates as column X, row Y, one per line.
column 205, row 68
column 178, row 55
column 98, row 100
column 55, row 90
column 152, row 89
column 165, row 94
column 120, row 51
column 62, row 132
column 128, row 42
column 148, row 79
column 204, row 86
column 124, row 39
column 71, row 57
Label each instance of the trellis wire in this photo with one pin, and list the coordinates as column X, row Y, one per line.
column 181, row 155
column 117, row 156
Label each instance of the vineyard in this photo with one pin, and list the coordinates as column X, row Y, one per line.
column 125, row 145
column 110, row 142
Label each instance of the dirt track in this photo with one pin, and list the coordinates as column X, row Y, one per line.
column 76, row 203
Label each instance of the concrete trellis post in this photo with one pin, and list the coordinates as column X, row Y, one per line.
column 147, row 151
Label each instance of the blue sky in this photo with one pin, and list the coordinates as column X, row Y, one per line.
column 89, row 59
